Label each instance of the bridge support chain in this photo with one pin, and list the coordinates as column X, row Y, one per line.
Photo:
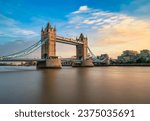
column 52, row 62
column 84, row 63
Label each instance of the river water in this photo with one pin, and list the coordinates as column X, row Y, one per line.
column 75, row 85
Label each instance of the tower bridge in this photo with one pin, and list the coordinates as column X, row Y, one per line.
column 49, row 59
column 48, row 49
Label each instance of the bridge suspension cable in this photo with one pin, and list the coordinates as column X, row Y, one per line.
column 26, row 51
column 22, row 51
column 93, row 56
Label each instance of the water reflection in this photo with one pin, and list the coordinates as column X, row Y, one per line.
column 76, row 85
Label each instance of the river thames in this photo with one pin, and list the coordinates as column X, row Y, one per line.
column 100, row 85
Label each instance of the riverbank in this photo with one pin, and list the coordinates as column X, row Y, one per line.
column 136, row 64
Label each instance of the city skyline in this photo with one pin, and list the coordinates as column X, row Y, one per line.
column 111, row 26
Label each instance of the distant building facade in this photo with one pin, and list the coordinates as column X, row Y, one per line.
column 131, row 56
column 103, row 59
column 128, row 56
column 144, row 56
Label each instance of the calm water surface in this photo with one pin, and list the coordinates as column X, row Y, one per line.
column 75, row 85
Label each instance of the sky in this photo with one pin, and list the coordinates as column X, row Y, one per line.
column 111, row 26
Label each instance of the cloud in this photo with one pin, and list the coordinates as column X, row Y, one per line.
column 11, row 29
column 6, row 21
column 82, row 9
column 23, row 32
column 111, row 32
column 95, row 17
column 127, row 30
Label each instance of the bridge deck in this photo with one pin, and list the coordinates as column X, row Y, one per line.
column 67, row 40
column 18, row 60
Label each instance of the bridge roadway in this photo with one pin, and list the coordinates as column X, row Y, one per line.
column 18, row 60
column 65, row 40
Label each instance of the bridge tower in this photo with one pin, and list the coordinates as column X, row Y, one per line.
column 81, row 49
column 82, row 52
column 48, row 49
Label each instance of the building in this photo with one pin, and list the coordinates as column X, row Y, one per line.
column 129, row 53
column 144, row 53
column 103, row 59
column 128, row 56
column 144, row 56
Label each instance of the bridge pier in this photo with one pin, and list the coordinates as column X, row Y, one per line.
column 87, row 63
column 84, row 63
column 52, row 62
